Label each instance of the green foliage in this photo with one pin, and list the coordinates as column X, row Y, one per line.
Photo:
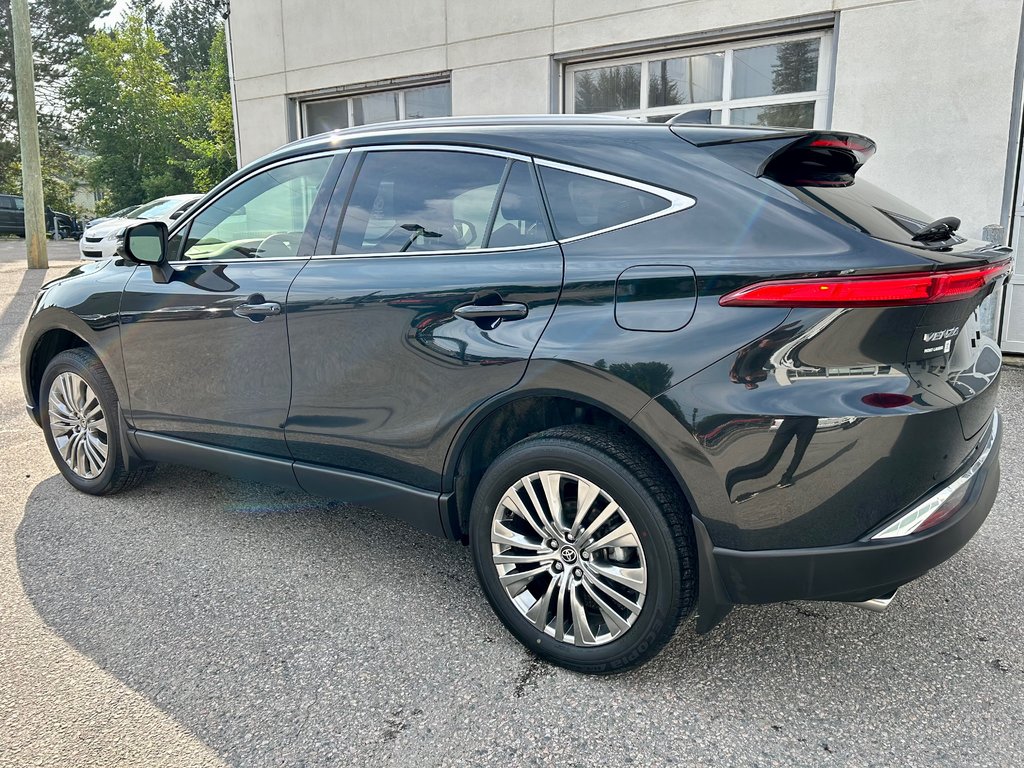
column 210, row 138
column 59, row 29
column 190, row 29
column 128, row 113
column 150, row 137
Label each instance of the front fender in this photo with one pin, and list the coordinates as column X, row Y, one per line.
column 86, row 304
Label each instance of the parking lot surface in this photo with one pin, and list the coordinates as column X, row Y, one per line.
column 199, row 620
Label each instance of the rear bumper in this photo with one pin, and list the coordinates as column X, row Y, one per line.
column 866, row 568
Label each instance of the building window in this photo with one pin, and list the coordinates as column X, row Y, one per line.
column 377, row 107
column 778, row 81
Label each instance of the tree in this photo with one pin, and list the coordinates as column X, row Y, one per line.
column 129, row 114
column 211, row 127
column 795, row 70
column 189, row 29
column 609, row 89
column 59, row 29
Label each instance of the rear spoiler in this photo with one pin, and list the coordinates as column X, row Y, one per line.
column 798, row 158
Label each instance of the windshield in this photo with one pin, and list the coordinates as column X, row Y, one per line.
column 161, row 207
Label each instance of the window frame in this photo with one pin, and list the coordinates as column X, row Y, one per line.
column 349, row 95
column 323, row 196
column 678, row 201
column 820, row 96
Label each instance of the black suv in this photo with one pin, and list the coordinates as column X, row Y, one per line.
column 639, row 368
column 58, row 225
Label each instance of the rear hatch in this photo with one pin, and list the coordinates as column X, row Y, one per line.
column 937, row 336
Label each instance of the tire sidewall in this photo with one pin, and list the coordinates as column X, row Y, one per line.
column 664, row 582
column 65, row 363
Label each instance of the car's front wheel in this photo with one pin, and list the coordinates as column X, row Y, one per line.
column 584, row 548
column 78, row 413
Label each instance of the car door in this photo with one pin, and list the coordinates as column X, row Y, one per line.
column 428, row 301
column 206, row 353
column 11, row 220
column 6, row 211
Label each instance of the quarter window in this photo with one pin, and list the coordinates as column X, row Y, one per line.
column 519, row 219
column 580, row 204
column 781, row 81
column 421, row 200
column 262, row 217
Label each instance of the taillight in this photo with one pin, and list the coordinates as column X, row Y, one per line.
column 868, row 291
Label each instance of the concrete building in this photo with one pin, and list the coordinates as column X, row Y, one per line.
column 937, row 83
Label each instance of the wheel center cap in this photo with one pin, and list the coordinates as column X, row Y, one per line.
column 568, row 555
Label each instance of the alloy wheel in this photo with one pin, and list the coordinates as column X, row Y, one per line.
column 569, row 558
column 78, row 425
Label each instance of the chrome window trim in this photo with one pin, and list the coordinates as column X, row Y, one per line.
column 193, row 214
column 443, row 148
column 420, row 254
column 453, row 251
column 677, row 200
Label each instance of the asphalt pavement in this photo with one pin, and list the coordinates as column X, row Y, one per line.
column 199, row 620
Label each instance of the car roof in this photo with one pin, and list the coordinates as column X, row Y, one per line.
column 479, row 126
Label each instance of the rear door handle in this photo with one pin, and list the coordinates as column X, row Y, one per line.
column 256, row 312
column 492, row 311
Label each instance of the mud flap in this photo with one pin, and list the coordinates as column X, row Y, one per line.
column 713, row 601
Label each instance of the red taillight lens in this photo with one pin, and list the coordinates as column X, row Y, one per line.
column 949, row 506
column 868, row 291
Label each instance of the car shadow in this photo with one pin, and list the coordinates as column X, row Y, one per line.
column 284, row 629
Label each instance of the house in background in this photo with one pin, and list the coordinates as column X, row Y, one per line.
column 937, row 83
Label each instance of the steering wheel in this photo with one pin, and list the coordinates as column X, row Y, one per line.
column 278, row 244
column 464, row 231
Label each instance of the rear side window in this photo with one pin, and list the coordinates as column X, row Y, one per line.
column 19, row 203
column 410, row 201
column 6, row 202
column 868, row 209
column 581, row 204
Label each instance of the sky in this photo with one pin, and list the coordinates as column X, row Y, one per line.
column 122, row 5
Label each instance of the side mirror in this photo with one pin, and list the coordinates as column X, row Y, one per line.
column 146, row 244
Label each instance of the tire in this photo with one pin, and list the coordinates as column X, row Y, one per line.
column 652, row 515
column 81, row 425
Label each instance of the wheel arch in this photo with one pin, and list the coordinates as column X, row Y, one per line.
column 509, row 419
column 50, row 333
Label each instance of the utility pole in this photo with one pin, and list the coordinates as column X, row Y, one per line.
column 28, row 130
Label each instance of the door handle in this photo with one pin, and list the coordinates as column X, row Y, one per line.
column 257, row 311
column 492, row 311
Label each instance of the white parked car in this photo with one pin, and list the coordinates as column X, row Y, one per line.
column 101, row 240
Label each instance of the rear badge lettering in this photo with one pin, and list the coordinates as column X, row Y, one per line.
column 948, row 333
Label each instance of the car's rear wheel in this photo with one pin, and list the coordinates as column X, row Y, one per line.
column 584, row 548
column 78, row 413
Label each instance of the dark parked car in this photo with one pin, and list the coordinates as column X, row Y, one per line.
column 641, row 369
column 59, row 226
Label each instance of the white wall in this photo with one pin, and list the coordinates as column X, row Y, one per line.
column 930, row 80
